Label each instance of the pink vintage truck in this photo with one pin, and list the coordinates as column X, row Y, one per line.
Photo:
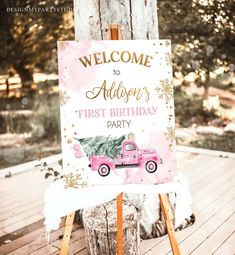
column 130, row 156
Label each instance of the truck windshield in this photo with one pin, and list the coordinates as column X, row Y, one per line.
column 130, row 147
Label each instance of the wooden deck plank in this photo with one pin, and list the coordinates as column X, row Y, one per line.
column 19, row 220
column 28, row 200
column 29, row 238
column 212, row 185
column 77, row 243
column 228, row 246
column 82, row 252
column 46, row 250
column 10, row 183
column 20, row 223
column 205, row 230
column 34, row 198
column 76, row 235
column 30, row 210
column 40, row 242
column 35, row 186
column 19, row 242
column 210, row 173
column 14, row 211
column 23, row 208
column 225, row 184
column 202, row 216
column 213, row 195
column 25, row 200
column 210, row 245
column 16, row 182
column 77, row 246
column 201, row 180
column 148, row 245
column 191, row 237
column 27, row 180
column 38, row 187
column 192, row 166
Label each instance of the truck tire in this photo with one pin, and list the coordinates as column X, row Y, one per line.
column 151, row 166
column 104, row 170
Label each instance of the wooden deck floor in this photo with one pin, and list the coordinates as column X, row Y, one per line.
column 212, row 183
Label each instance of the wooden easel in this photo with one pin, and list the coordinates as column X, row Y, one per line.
column 114, row 33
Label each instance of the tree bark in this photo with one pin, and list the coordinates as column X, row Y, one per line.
column 100, row 225
column 7, row 86
column 26, row 77
column 206, row 85
column 138, row 19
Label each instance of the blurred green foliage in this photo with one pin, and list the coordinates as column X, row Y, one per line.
column 203, row 35
column 14, row 123
column 28, row 38
column 45, row 121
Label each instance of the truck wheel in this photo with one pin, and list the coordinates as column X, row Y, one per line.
column 104, row 170
column 151, row 166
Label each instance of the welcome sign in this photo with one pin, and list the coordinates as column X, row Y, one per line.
column 117, row 112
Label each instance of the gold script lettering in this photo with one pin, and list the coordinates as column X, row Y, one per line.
column 111, row 56
column 97, row 58
column 147, row 61
column 115, row 56
column 137, row 60
column 119, row 92
column 85, row 61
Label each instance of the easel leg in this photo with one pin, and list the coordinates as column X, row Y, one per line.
column 168, row 216
column 67, row 233
column 119, row 223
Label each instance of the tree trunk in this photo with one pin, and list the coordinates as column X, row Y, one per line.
column 138, row 19
column 206, row 85
column 26, row 78
column 7, row 86
column 100, row 225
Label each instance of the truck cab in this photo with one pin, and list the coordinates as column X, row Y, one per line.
column 129, row 153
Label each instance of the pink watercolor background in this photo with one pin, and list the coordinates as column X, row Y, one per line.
column 75, row 80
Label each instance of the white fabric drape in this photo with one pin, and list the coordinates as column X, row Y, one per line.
column 60, row 202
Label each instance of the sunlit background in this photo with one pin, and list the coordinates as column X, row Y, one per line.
column 202, row 34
